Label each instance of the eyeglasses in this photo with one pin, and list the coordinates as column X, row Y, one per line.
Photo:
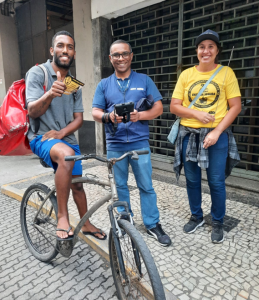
column 118, row 55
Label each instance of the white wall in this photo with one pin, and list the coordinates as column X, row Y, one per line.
column 9, row 55
column 84, row 52
column 2, row 77
column 115, row 8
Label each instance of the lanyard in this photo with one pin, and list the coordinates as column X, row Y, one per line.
column 121, row 86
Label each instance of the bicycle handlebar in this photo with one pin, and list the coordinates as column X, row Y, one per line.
column 84, row 157
column 89, row 156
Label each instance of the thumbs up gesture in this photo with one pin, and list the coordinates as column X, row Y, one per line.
column 58, row 76
column 58, row 87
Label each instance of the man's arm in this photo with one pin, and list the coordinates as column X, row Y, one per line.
column 97, row 114
column 150, row 114
column 69, row 129
column 39, row 107
column 157, row 108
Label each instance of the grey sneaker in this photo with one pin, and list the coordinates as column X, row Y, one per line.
column 193, row 224
column 217, row 234
column 159, row 234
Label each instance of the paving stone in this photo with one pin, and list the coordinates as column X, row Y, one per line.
column 222, row 292
column 217, row 297
column 175, row 291
column 184, row 297
column 194, row 295
column 244, row 294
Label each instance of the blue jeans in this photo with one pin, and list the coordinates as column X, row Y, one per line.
column 216, row 178
column 142, row 170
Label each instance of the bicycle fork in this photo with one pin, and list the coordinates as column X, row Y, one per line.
column 116, row 234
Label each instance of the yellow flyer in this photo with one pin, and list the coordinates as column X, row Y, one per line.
column 72, row 85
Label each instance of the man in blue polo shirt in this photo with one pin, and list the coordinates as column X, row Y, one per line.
column 59, row 116
column 124, row 86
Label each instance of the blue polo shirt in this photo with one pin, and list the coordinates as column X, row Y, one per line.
column 129, row 89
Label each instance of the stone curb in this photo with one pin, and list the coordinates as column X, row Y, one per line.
column 101, row 247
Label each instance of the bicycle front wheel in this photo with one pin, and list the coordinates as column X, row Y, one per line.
column 40, row 233
column 142, row 279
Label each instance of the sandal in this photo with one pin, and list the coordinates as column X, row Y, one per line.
column 94, row 234
column 70, row 237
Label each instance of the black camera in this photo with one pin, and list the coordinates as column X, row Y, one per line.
column 124, row 110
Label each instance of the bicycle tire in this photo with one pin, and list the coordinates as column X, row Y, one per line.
column 137, row 287
column 41, row 244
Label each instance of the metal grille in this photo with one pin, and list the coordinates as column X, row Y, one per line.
column 162, row 37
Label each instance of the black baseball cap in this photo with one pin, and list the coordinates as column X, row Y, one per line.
column 207, row 35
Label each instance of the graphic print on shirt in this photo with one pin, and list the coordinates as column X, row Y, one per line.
column 208, row 98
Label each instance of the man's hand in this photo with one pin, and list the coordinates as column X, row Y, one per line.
column 52, row 134
column 134, row 116
column 58, row 87
column 204, row 117
column 118, row 118
column 211, row 138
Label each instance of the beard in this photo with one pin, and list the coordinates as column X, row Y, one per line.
column 63, row 65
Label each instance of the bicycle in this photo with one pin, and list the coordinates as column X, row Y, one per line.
column 134, row 271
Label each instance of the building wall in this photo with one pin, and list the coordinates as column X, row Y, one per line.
column 115, row 8
column 84, row 52
column 9, row 55
column 85, row 70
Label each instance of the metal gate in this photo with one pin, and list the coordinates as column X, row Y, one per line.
column 162, row 37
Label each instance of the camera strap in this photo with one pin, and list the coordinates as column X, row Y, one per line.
column 126, row 118
column 110, row 124
column 121, row 88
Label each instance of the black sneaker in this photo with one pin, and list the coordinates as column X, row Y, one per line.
column 217, row 234
column 125, row 217
column 159, row 234
column 193, row 224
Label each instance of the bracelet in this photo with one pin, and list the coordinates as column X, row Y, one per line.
column 109, row 118
column 106, row 118
column 103, row 118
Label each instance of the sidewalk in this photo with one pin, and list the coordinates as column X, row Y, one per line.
column 193, row 267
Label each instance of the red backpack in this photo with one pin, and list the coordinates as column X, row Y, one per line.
column 14, row 119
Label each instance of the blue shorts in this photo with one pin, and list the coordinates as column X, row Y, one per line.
column 42, row 149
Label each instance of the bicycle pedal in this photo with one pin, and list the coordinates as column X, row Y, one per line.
column 65, row 248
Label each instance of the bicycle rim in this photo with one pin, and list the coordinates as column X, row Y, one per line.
column 39, row 235
column 142, row 278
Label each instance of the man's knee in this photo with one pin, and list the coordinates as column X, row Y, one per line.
column 77, row 187
column 58, row 153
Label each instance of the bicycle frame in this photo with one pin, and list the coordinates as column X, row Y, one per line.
column 113, row 196
column 66, row 247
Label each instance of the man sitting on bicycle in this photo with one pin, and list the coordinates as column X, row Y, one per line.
column 59, row 116
column 123, row 86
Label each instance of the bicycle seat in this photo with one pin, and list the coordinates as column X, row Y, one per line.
column 44, row 164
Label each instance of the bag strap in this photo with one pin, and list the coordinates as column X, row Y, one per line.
column 204, row 87
column 45, row 85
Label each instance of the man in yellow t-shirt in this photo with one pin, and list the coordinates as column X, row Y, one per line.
column 213, row 100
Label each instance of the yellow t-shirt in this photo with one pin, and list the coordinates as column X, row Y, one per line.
column 213, row 100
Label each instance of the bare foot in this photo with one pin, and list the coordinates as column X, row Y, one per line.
column 91, row 228
column 63, row 223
